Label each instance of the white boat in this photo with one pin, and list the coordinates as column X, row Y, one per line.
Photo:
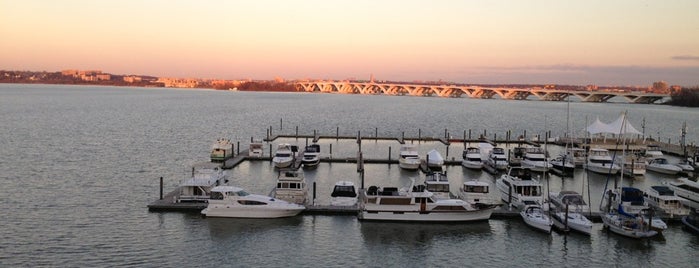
column 497, row 159
column 256, row 149
column 563, row 164
column 653, row 151
column 535, row 159
column 435, row 161
column 578, row 156
column 311, row 156
column 438, row 184
column 622, row 213
column 291, row 187
column 516, row 156
column 663, row 198
column 599, row 161
column 661, row 165
column 478, row 192
column 284, row 156
column 234, row 202
column 197, row 186
column 686, row 166
column 569, row 209
column 472, row 158
column 221, row 150
column 691, row 221
column 535, row 217
column 344, row 194
column 686, row 189
column 634, row 165
column 409, row 158
column 519, row 188
column 416, row 204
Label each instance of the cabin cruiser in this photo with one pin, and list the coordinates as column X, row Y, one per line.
column 516, row 156
column 686, row 166
column 478, row 192
column 686, row 189
column 438, row 184
column 661, row 165
column 663, row 198
column 311, row 156
column 622, row 210
column 599, row 161
column 472, row 158
column 577, row 155
column 563, row 164
column 344, row 194
column 255, row 149
column 415, row 203
column 519, row 188
column 653, row 151
column 535, row 217
column 221, row 150
column 409, row 158
column 569, row 209
column 234, row 202
column 691, row 221
column 497, row 159
column 197, row 187
column 284, row 157
column 291, row 187
column 535, row 159
column 435, row 161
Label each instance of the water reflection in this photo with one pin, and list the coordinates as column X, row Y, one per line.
column 422, row 233
column 225, row 228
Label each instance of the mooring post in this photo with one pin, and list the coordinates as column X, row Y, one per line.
column 402, row 136
column 267, row 135
column 495, row 137
column 314, row 134
column 306, row 141
column 445, row 134
column 464, row 137
column 270, row 131
column 376, row 133
column 238, row 152
column 469, row 134
column 419, row 134
column 161, row 188
column 485, row 133
column 389, row 154
column 447, row 151
column 270, row 152
column 337, row 133
column 331, row 151
column 314, row 193
column 297, row 132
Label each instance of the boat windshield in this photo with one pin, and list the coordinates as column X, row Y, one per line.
column 242, row 193
column 343, row 191
column 283, row 155
column 476, row 189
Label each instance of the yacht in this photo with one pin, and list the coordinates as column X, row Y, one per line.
column 569, row 209
column 284, row 157
column 653, row 151
column 518, row 188
column 478, row 192
column 435, row 161
column 599, row 161
column 535, row 159
column 415, row 203
column 577, row 155
column 221, row 150
column 438, row 184
column 409, row 158
column 664, row 198
column 497, row 159
column 197, row 186
column 661, row 165
column 291, row 187
column 686, row 189
column 563, row 164
column 621, row 209
column 344, row 194
column 311, row 156
column 472, row 158
column 255, row 149
column 535, row 217
column 516, row 156
column 686, row 166
column 234, row 202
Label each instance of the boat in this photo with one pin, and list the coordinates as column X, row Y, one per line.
column 416, row 204
column 255, row 149
column 497, row 159
column 344, row 194
column 284, row 157
column 478, row 192
column 535, row 159
column 663, row 198
column 516, row 156
column 472, row 158
column 634, row 165
column 519, row 188
column 535, row 217
column 438, row 184
column 661, row 165
column 221, row 150
column 599, row 161
column 653, row 151
column 568, row 214
column 691, row 221
column 409, row 158
column 435, row 161
column 686, row 167
column 577, row 155
column 197, row 186
column 621, row 213
column 234, row 202
column 563, row 164
column 687, row 189
column 311, row 156
column 291, row 187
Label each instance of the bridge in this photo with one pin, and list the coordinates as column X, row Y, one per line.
column 457, row 91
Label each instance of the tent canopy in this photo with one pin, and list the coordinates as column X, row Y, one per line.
column 620, row 126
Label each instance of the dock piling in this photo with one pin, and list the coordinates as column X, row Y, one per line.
column 331, row 150
column 447, row 151
column 297, row 132
column 419, row 134
column 446, row 136
column 314, row 193
column 281, row 124
column 389, row 154
column 337, row 133
column 161, row 188
column 238, row 148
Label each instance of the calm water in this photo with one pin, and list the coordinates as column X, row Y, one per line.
column 80, row 164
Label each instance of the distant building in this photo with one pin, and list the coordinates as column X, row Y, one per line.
column 132, row 79
column 660, row 87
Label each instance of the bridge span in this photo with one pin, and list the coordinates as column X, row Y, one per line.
column 455, row 91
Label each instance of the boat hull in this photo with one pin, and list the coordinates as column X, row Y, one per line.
column 224, row 212
column 282, row 163
column 614, row 223
column 576, row 222
column 603, row 169
column 472, row 164
column 409, row 165
column 425, row 216
column 667, row 170
column 538, row 222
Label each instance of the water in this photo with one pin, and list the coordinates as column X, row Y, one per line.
column 80, row 164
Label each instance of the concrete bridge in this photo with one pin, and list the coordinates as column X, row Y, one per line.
column 455, row 91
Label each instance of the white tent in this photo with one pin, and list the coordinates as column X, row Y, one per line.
column 620, row 126
column 597, row 127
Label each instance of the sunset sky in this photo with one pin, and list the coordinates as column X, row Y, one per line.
column 562, row 42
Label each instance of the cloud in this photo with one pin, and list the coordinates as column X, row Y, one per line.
column 686, row 57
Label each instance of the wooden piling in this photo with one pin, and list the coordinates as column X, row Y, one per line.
column 161, row 188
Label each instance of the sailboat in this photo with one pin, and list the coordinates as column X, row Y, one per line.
column 564, row 164
column 535, row 215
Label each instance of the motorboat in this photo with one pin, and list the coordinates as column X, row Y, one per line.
column 197, row 186
column 255, row 149
column 569, row 209
column 291, row 187
column 221, row 150
column 234, row 202
column 661, row 165
column 434, row 160
column 478, row 192
column 416, row 204
column 663, row 198
column 653, row 151
column 472, row 158
column 622, row 213
column 535, row 159
column 311, row 156
column 634, row 165
column 284, row 156
column 687, row 189
column 599, row 161
column 686, row 167
column 535, row 217
column 577, row 155
column 497, row 159
column 344, row 194
column 519, row 188
column 691, row 221
column 516, row 156
column 563, row 164
column 438, row 184
column 409, row 158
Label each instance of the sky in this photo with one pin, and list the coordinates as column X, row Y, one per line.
column 498, row 41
